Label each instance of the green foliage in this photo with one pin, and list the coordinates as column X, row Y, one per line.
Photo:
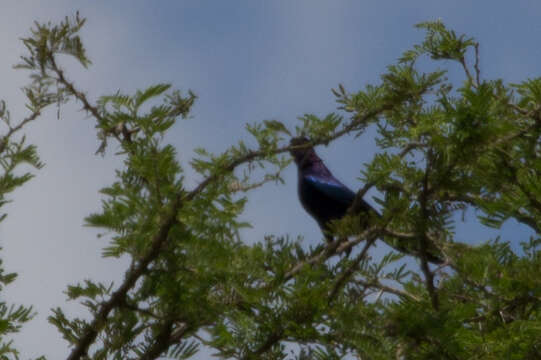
column 440, row 43
column 194, row 282
column 13, row 154
column 16, row 158
column 12, row 317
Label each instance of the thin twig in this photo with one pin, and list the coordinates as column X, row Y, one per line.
column 73, row 91
column 357, row 204
column 350, row 270
column 391, row 290
column 330, row 250
column 5, row 139
column 477, row 82
column 476, row 66
column 146, row 312
column 266, row 346
column 467, row 71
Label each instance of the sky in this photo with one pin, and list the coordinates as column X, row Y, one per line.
column 248, row 61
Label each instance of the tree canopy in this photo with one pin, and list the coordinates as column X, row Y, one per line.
column 194, row 282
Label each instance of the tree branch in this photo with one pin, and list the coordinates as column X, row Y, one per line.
column 350, row 270
column 161, row 341
column 467, row 71
column 429, row 276
column 391, row 290
column 476, row 66
column 266, row 346
column 166, row 336
column 5, row 139
column 331, row 249
column 131, row 277
column 79, row 95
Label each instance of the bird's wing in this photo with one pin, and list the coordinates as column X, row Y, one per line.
column 332, row 189
column 335, row 190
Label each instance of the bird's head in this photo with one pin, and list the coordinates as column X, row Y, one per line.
column 303, row 153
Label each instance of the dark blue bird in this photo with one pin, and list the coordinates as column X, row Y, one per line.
column 324, row 197
column 321, row 194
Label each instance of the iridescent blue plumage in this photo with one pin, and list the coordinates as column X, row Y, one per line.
column 326, row 199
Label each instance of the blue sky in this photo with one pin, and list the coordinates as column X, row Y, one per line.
column 248, row 61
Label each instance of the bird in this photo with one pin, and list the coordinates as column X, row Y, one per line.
column 325, row 198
